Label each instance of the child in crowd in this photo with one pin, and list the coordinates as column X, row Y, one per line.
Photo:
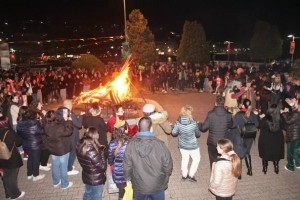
column 225, row 171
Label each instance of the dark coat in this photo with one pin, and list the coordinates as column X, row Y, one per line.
column 58, row 137
column 148, row 164
column 218, row 121
column 99, row 124
column 292, row 121
column 270, row 144
column 11, row 139
column 240, row 145
column 31, row 132
column 117, row 161
column 93, row 163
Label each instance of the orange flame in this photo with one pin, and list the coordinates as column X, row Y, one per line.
column 117, row 91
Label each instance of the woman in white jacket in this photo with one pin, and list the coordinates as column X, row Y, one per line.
column 225, row 171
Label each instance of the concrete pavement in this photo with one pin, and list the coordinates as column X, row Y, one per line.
column 271, row 186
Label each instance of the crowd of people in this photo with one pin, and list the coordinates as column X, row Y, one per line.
column 139, row 154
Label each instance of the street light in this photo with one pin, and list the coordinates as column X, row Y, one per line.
column 292, row 46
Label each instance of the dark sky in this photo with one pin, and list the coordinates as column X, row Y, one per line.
column 222, row 20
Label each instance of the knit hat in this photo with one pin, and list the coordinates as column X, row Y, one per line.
column 148, row 108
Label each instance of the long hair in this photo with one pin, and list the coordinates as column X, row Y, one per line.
column 91, row 136
column 187, row 111
column 120, row 134
column 273, row 118
column 26, row 114
column 227, row 146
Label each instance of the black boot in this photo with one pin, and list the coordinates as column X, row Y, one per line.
column 247, row 165
column 265, row 166
column 276, row 166
column 250, row 166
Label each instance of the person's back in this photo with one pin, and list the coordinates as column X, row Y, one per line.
column 147, row 163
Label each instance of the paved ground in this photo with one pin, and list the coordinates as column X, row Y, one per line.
column 285, row 185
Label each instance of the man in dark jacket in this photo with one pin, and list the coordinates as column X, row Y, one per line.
column 147, row 163
column 218, row 121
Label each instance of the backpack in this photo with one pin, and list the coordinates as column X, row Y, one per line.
column 249, row 130
column 5, row 154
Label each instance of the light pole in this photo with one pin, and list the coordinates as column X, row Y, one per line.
column 125, row 24
column 292, row 46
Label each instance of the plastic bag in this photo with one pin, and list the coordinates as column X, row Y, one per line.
column 128, row 192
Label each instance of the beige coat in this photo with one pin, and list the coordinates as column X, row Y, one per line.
column 161, row 125
column 222, row 181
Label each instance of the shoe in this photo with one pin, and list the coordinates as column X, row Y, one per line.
column 25, row 157
column 70, row 185
column 21, row 195
column 44, row 168
column 73, row 172
column 298, row 167
column 288, row 169
column 29, row 177
column 39, row 177
column 49, row 165
column 57, row 184
column 183, row 178
column 192, row 179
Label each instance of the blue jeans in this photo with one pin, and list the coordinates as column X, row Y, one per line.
column 157, row 196
column 60, row 170
column 93, row 192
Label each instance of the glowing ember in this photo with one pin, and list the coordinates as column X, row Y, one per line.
column 117, row 91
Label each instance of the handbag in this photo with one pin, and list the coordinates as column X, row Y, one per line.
column 249, row 130
column 5, row 153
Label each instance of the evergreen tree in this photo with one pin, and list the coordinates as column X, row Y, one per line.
column 266, row 43
column 193, row 47
column 141, row 39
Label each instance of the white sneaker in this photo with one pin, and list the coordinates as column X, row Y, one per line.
column 44, row 168
column 57, row 184
column 21, row 195
column 39, row 177
column 70, row 185
column 298, row 167
column 73, row 172
column 49, row 164
column 29, row 177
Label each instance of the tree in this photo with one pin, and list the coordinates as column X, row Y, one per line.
column 88, row 61
column 193, row 47
column 266, row 43
column 141, row 39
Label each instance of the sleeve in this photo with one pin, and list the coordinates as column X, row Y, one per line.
column 205, row 124
column 166, row 127
column 127, row 163
column 99, row 163
column 237, row 95
column 68, row 128
column 216, row 176
column 197, row 130
column 290, row 118
column 167, row 162
column 77, row 121
column 132, row 131
column 111, row 150
column 175, row 130
column 103, row 132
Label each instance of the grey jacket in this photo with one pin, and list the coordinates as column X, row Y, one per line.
column 147, row 164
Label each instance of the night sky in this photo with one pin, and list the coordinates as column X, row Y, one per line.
column 222, row 20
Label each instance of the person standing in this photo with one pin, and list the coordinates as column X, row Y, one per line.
column 292, row 123
column 58, row 131
column 11, row 167
column 188, row 131
column 92, row 159
column 148, row 164
column 225, row 171
column 271, row 139
column 217, row 122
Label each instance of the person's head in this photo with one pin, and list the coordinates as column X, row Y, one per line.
column 26, row 114
column 68, row 104
column 225, row 147
column 95, row 109
column 120, row 131
column 50, row 116
column 148, row 109
column 119, row 110
column 187, row 111
column 145, row 124
column 91, row 136
column 220, row 100
column 4, row 122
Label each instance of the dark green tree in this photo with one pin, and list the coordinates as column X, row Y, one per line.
column 266, row 43
column 88, row 61
column 193, row 46
column 141, row 39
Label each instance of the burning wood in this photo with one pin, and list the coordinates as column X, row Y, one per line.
column 117, row 91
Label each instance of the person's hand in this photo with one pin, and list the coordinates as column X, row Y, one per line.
column 82, row 113
column 44, row 112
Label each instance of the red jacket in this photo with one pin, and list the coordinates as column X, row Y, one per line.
column 112, row 120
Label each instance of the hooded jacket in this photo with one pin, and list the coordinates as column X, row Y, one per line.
column 218, row 121
column 147, row 164
column 187, row 130
column 292, row 121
